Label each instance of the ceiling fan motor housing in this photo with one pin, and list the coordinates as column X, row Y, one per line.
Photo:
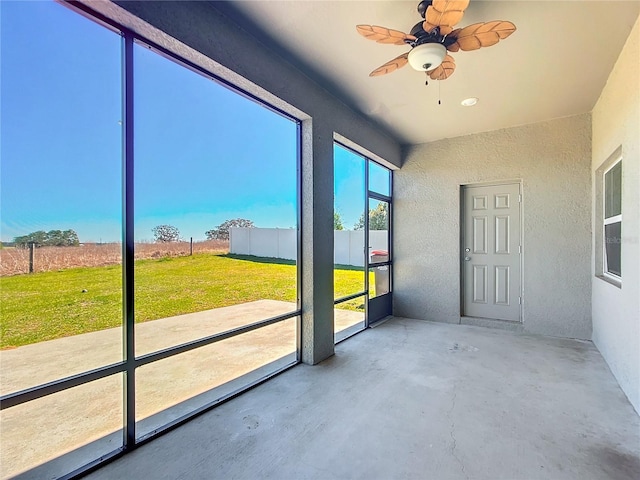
column 433, row 36
column 422, row 7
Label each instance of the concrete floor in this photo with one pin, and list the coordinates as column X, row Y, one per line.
column 58, row 433
column 413, row 399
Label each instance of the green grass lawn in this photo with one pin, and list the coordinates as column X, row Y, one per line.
column 45, row 306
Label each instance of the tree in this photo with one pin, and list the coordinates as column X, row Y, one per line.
column 70, row 238
column 38, row 238
column 52, row 238
column 378, row 218
column 60, row 238
column 221, row 232
column 337, row 221
column 166, row 233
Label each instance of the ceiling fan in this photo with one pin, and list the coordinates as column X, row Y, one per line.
column 430, row 39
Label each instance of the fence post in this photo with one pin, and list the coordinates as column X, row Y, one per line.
column 191, row 246
column 31, row 249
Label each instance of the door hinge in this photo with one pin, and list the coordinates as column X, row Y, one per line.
column 519, row 248
column 519, row 198
column 519, row 300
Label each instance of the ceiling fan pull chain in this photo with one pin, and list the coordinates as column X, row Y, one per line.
column 439, row 102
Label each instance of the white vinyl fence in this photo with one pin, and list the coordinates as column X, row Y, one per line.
column 281, row 243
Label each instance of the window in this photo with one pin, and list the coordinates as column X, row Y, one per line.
column 612, row 220
column 608, row 216
column 349, row 236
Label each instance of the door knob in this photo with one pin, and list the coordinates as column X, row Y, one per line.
column 467, row 259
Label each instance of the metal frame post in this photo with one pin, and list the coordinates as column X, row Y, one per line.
column 128, row 249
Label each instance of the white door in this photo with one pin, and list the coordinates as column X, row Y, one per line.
column 491, row 252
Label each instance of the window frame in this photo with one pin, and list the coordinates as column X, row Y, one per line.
column 612, row 220
column 602, row 220
column 369, row 195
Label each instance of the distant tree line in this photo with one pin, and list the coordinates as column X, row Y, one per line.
column 221, row 232
column 52, row 238
column 169, row 233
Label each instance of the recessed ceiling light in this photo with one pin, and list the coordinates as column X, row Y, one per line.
column 469, row 102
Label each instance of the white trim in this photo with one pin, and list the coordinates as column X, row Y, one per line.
column 604, row 186
column 598, row 219
column 614, row 219
column 617, row 160
column 605, row 267
column 609, row 221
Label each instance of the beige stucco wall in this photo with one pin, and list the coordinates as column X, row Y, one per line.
column 552, row 159
column 616, row 311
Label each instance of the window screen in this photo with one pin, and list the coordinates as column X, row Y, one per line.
column 613, row 220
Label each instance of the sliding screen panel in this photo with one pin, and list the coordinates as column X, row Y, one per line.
column 173, row 387
column 61, row 227
column 216, row 222
column 349, row 238
column 61, row 195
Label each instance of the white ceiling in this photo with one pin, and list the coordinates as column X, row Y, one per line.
column 554, row 65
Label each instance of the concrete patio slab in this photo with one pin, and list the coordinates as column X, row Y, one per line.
column 44, row 362
column 61, row 432
column 414, row 399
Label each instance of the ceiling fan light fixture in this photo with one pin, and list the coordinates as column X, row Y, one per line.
column 427, row 56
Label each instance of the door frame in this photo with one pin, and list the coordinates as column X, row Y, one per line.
column 377, row 308
column 461, row 247
column 381, row 306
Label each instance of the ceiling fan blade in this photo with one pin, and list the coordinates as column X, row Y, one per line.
column 391, row 66
column 480, row 35
column 444, row 70
column 383, row 34
column 444, row 14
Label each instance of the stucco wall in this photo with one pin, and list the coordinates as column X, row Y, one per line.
column 616, row 311
column 552, row 159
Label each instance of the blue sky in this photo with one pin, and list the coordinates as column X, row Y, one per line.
column 348, row 185
column 203, row 154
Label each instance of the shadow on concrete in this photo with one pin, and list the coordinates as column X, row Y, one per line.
column 111, row 443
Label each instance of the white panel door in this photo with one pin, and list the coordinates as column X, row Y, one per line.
column 491, row 252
